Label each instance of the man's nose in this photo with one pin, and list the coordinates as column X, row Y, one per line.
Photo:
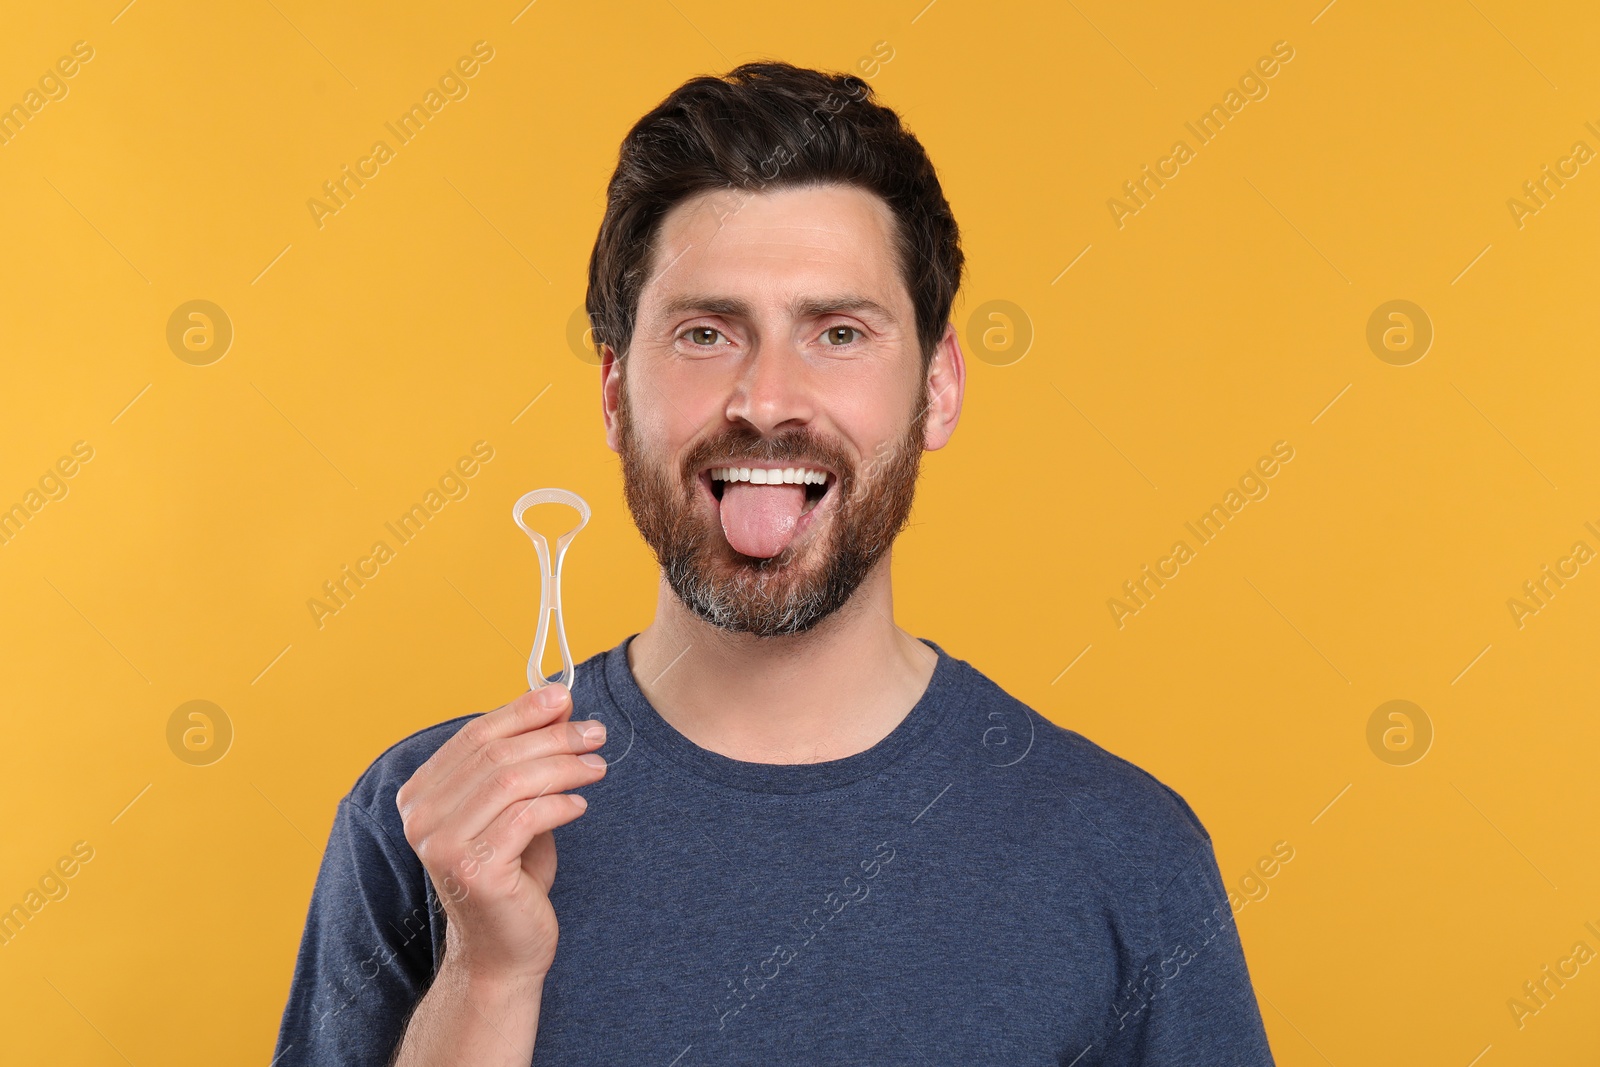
column 774, row 391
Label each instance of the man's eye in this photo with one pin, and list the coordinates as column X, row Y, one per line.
column 836, row 336
column 703, row 336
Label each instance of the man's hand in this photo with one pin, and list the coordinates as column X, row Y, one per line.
column 479, row 815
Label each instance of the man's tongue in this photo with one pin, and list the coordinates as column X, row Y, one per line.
column 759, row 520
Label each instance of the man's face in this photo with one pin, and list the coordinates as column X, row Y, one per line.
column 775, row 333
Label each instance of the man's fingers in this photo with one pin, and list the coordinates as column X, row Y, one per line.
column 530, row 711
column 558, row 738
column 509, row 787
column 514, row 830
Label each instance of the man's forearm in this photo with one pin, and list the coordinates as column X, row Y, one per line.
column 471, row 1019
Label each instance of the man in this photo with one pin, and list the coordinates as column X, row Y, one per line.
column 818, row 839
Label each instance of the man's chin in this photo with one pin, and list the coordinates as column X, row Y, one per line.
column 794, row 567
column 785, row 595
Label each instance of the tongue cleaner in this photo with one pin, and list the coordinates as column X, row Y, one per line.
column 550, row 582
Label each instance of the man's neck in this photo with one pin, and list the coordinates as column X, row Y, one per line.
column 831, row 692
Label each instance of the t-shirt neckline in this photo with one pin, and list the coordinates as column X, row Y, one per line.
column 664, row 740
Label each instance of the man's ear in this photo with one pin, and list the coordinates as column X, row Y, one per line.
column 611, row 394
column 946, row 384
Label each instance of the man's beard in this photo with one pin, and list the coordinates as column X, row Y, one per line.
column 786, row 594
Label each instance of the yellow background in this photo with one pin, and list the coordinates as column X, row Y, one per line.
column 1228, row 314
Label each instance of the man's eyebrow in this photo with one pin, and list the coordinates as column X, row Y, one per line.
column 806, row 307
column 812, row 308
column 707, row 305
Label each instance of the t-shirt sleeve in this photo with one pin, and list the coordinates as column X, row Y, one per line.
column 1191, row 1002
column 366, row 956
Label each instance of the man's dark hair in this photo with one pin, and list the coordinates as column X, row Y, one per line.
column 766, row 126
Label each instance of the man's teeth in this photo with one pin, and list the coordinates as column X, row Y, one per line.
column 769, row 475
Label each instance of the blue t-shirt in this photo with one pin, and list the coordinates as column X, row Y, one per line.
column 979, row 887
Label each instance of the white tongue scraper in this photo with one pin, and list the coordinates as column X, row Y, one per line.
column 550, row 582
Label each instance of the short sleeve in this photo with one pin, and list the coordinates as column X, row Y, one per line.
column 1191, row 1002
column 366, row 956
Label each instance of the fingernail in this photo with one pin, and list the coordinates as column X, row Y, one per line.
column 549, row 697
column 593, row 759
column 594, row 733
